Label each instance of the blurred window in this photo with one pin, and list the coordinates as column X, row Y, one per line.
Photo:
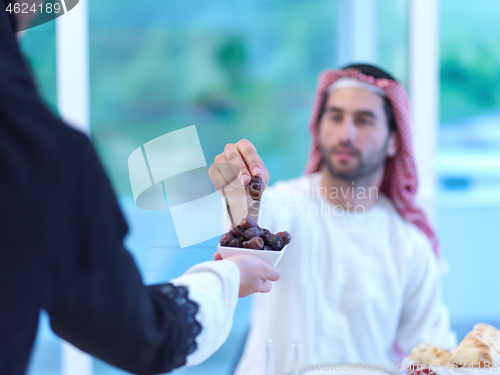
column 468, row 159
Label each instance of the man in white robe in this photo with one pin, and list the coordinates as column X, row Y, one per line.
column 361, row 277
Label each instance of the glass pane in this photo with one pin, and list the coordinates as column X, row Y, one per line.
column 469, row 158
column 470, row 101
column 393, row 45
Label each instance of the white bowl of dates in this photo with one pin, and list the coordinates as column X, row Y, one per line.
column 248, row 238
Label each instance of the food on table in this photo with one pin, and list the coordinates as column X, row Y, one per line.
column 416, row 370
column 255, row 188
column 425, row 354
column 480, row 345
column 480, row 349
column 249, row 235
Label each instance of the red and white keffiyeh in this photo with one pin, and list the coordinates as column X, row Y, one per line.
column 400, row 181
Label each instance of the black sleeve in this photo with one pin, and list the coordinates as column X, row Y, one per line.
column 61, row 239
column 101, row 304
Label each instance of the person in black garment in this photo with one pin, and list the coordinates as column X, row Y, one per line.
column 61, row 250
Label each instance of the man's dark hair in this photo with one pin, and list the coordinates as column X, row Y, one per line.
column 375, row 72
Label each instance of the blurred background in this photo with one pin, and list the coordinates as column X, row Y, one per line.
column 248, row 69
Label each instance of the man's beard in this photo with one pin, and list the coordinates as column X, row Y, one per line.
column 365, row 168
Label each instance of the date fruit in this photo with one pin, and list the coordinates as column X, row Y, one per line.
column 225, row 239
column 255, row 188
column 249, row 235
column 237, row 232
column 255, row 243
column 247, row 223
column 253, row 232
column 235, row 242
column 285, row 236
column 274, row 242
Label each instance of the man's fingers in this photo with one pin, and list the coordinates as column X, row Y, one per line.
column 217, row 256
column 244, row 156
column 233, row 156
column 249, row 154
column 215, row 173
column 224, row 175
column 217, row 177
column 230, row 172
column 265, row 175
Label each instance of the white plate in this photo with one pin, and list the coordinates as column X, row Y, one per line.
column 270, row 256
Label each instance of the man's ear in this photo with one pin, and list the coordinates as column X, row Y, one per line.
column 393, row 144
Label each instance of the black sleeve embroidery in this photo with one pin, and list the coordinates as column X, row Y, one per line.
column 189, row 308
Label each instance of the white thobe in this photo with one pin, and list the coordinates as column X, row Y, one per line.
column 352, row 284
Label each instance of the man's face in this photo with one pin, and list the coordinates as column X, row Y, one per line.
column 354, row 134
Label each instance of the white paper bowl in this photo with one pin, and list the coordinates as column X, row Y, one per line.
column 270, row 256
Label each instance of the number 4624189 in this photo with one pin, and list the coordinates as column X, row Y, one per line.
column 23, row 8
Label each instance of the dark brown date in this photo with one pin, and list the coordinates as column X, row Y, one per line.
column 235, row 242
column 249, row 235
column 273, row 241
column 255, row 188
column 253, row 232
column 278, row 244
column 247, row 223
column 268, row 237
column 237, row 232
column 255, row 243
column 285, row 236
column 225, row 239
